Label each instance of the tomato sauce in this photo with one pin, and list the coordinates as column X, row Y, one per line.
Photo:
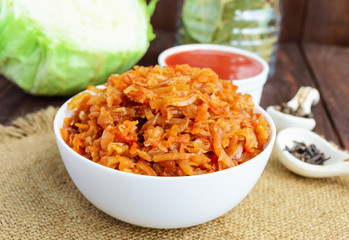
column 227, row 65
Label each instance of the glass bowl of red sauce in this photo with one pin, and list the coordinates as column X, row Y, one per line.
column 246, row 69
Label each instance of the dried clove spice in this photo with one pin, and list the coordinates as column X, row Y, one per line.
column 307, row 153
column 298, row 112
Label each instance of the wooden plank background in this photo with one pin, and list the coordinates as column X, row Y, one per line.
column 326, row 22
column 325, row 61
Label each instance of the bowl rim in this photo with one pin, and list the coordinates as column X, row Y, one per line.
column 63, row 112
column 187, row 47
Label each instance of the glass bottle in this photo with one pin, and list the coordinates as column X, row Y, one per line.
column 253, row 25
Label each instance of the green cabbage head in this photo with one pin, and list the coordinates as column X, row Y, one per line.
column 55, row 47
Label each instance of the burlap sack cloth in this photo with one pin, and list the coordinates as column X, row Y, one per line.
column 39, row 201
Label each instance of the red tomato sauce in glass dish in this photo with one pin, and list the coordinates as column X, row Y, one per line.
column 227, row 65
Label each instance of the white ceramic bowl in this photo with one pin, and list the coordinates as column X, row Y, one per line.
column 253, row 85
column 161, row 202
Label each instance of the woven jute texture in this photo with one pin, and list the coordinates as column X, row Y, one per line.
column 38, row 200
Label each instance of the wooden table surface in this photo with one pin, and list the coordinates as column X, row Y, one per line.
column 321, row 66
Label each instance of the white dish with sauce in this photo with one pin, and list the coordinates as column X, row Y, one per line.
column 252, row 85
